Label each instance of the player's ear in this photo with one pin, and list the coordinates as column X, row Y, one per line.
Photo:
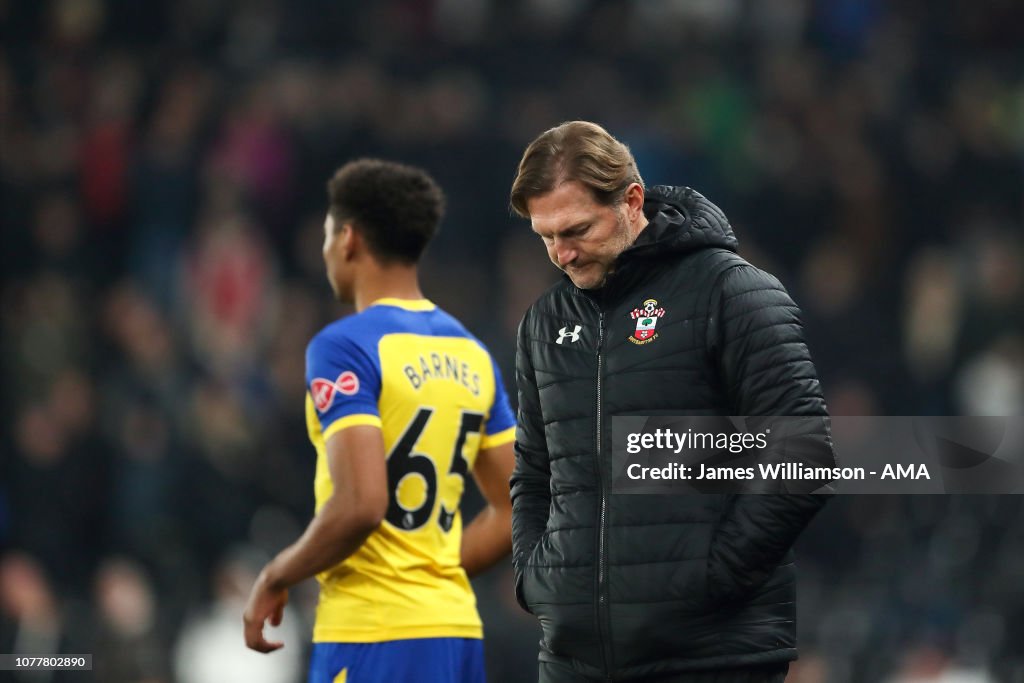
column 349, row 241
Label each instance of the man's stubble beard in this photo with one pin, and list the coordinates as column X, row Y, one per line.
column 623, row 240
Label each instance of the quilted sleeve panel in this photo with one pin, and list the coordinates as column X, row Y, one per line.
column 530, row 483
column 766, row 370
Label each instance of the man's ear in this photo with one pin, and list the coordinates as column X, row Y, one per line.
column 350, row 241
column 634, row 199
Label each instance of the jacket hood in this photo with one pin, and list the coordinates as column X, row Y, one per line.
column 681, row 220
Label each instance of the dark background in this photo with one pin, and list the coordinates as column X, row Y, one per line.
column 162, row 170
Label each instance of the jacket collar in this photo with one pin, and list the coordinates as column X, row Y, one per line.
column 680, row 220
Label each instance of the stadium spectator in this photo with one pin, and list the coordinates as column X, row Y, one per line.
column 208, row 649
column 130, row 642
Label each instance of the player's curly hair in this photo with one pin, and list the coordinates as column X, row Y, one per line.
column 395, row 207
column 574, row 150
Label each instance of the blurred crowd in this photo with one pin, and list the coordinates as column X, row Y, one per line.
column 162, row 174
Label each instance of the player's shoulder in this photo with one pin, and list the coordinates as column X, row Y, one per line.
column 364, row 330
column 420, row 317
column 355, row 331
column 446, row 324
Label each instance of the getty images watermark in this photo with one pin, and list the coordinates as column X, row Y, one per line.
column 685, row 454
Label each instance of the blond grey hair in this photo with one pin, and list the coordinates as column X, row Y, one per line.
column 575, row 150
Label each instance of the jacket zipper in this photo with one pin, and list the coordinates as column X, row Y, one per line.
column 602, row 560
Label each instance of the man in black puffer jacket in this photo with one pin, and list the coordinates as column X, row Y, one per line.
column 637, row 587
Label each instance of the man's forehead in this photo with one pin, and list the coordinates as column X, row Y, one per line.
column 566, row 205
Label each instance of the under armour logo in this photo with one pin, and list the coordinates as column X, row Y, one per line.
column 574, row 336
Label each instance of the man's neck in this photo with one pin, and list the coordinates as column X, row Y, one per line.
column 387, row 282
column 641, row 223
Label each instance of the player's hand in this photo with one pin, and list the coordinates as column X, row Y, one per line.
column 265, row 602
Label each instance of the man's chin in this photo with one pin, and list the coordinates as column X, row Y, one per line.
column 586, row 280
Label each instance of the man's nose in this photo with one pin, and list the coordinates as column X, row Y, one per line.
column 564, row 255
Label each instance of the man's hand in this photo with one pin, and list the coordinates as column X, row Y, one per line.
column 265, row 602
column 358, row 467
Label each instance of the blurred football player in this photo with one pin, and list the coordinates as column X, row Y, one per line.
column 403, row 404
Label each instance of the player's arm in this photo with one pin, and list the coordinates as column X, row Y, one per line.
column 488, row 538
column 356, row 459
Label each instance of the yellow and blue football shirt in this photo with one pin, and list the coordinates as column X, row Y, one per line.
column 414, row 371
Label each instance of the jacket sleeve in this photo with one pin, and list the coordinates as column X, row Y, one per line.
column 756, row 339
column 531, row 493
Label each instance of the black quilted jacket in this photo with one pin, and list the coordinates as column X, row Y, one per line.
column 632, row 585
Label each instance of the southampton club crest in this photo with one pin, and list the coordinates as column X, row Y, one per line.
column 646, row 319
